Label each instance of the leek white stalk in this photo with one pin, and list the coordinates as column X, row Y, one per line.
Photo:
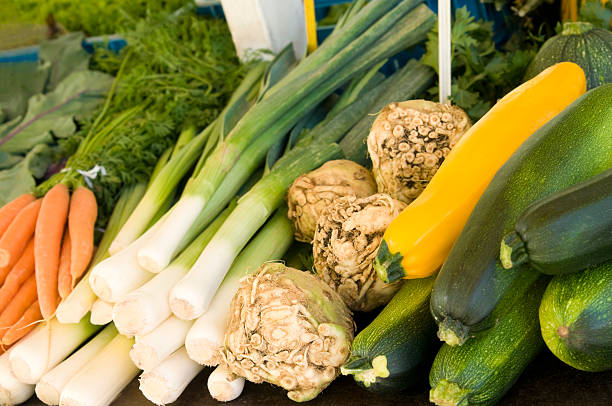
column 224, row 385
column 101, row 313
column 191, row 297
column 368, row 38
column 103, row 377
column 12, row 391
column 50, row 386
column 74, row 307
column 46, row 346
column 206, row 335
column 165, row 383
column 118, row 275
column 151, row 349
column 143, row 309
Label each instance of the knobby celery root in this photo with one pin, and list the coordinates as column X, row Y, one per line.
column 346, row 243
column 287, row 328
column 312, row 192
column 409, row 141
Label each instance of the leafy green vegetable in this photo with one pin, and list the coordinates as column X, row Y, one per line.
column 597, row 13
column 21, row 178
column 481, row 74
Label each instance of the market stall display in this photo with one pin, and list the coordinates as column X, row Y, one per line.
column 298, row 220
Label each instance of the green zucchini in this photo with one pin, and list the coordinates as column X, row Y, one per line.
column 482, row 370
column 391, row 353
column 576, row 318
column 572, row 147
column 566, row 232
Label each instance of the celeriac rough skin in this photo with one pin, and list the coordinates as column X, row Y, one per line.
column 167, row 381
column 287, row 328
column 409, row 141
column 12, row 391
column 346, row 243
column 312, row 192
column 223, row 385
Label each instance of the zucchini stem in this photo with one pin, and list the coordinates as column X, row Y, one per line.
column 447, row 393
column 365, row 371
column 388, row 266
column 453, row 332
column 512, row 252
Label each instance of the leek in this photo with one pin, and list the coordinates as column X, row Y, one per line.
column 103, row 377
column 50, row 386
column 120, row 274
column 178, row 165
column 12, row 391
column 191, row 296
column 368, row 38
column 165, row 383
column 223, row 385
column 151, row 349
column 206, row 335
column 101, row 313
column 46, row 346
column 143, row 309
column 74, row 307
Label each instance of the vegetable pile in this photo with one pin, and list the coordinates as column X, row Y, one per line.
column 248, row 216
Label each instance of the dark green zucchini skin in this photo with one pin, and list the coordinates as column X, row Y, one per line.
column 403, row 335
column 482, row 370
column 572, row 147
column 582, row 43
column 576, row 318
column 565, row 232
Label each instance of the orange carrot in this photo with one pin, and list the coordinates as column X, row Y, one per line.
column 18, row 275
column 81, row 221
column 25, row 324
column 64, row 279
column 18, row 234
column 11, row 209
column 26, row 295
column 47, row 245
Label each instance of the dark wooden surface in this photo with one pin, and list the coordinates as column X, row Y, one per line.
column 547, row 381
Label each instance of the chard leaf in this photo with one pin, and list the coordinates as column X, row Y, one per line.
column 21, row 178
column 54, row 114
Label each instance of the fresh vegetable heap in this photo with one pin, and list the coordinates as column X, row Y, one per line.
column 243, row 225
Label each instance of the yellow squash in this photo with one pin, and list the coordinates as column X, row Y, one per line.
column 418, row 240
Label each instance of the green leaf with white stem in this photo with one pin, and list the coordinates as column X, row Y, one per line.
column 270, row 244
column 307, row 85
column 191, row 296
column 12, row 391
column 74, row 307
column 50, row 386
column 167, row 381
column 103, row 377
column 46, row 346
column 141, row 311
column 151, row 349
column 223, row 385
column 282, row 63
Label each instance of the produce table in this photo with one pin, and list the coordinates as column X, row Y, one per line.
column 547, row 381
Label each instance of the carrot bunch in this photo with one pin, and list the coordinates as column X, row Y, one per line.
column 46, row 245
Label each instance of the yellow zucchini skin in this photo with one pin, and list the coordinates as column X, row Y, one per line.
column 392, row 353
column 569, row 149
column 482, row 370
column 576, row 318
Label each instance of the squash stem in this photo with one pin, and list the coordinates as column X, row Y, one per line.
column 453, row 332
column 364, row 371
column 388, row 266
column 512, row 252
column 447, row 393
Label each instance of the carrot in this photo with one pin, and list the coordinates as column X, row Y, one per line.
column 18, row 275
column 18, row 234
column 47, row 245
column 64, row 279
column 25, row 296
column 12, row 208
column 81, row 221
column 25, row 324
